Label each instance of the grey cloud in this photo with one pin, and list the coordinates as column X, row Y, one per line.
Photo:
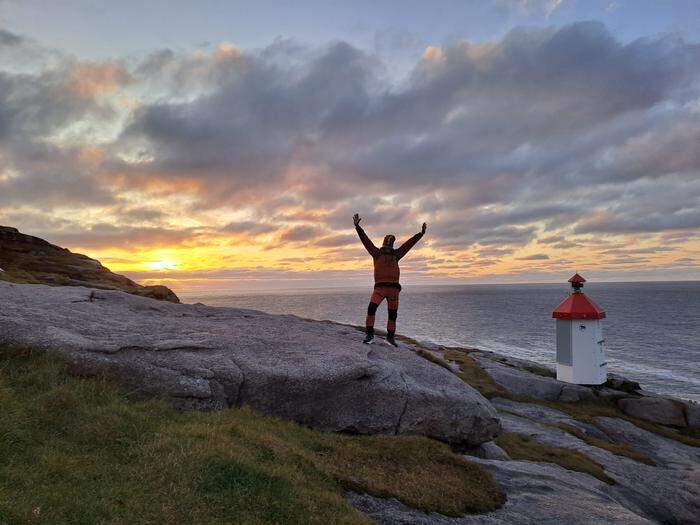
column 8, row 38
column 486, row 123
column 564, row 245
column 544, row 131
column 534, row 257
column 336, row 240
column 33, row 107
column 630, row 251
column 300, row 233
column 251, row 227
column 51, row 177
column 552, row 239
column 494, row 252
column 140, row 213
column 628, row 260
column 103, row 235
column 653, row 222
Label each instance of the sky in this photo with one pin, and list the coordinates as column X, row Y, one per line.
column 225, row 146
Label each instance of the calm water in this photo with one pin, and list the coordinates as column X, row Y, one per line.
column 652, row 330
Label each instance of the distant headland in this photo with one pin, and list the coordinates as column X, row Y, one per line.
column 25, row 259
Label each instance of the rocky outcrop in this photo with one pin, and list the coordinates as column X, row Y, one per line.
column 667, row 491
column 196, row 356
column 156, row 291
column 523, row 383
column 29, row 259
column 536, row 493
column 654, row 409
column 527, row 379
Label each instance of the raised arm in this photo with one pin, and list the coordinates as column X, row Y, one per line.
column 369, row 245
column 410, row 243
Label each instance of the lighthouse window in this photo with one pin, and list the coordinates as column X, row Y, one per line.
column 582, row 327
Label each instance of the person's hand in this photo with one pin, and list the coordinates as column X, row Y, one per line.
column 356, row 219
column 423, row 228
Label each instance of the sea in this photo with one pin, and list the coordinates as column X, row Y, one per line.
column 652, row 329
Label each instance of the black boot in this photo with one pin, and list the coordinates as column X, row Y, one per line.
column 390, row 339
column 369, row 338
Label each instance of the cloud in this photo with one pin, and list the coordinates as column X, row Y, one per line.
column 104, row 235
column 556, row 135
column 249, row 227
column 334, row 241
column 530, row 7
column 8, row 38
column 300, row 233
column 535, row 257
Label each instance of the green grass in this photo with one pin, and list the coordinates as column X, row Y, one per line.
column 521, row 446
column 471, row 373
column 541, row 371
column 76, row 450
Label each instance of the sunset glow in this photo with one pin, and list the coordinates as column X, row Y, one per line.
column 210, row 161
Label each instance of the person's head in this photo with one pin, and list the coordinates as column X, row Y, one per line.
column 388, row 241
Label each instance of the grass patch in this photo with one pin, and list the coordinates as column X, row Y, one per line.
column 471, row 373
column 424, row 472
column 691, row 432
column 541, row 371
column 76, row 450
column 520, row 446
column 619, row 449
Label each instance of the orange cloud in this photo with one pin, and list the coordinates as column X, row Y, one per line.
column 90, row 79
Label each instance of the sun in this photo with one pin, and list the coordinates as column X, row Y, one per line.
column 161, row 265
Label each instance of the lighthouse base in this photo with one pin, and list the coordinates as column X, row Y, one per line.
column 565, row 373
column 588, row 376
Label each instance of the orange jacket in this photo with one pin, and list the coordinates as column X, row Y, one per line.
column 386, row 260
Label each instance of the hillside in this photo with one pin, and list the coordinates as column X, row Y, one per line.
column 27, row 259
column 84, row 451
column 560, row 453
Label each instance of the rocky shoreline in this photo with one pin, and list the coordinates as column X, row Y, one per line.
column 561, row 453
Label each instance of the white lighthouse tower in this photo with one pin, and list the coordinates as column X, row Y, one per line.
column 580, row 354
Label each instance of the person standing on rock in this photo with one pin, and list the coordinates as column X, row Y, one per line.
column 386, row 278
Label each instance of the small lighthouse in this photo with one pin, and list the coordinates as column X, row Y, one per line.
column 580, row 354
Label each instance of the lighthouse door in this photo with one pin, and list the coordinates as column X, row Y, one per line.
column 564, row 356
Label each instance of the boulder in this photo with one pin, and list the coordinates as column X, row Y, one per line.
column 618, row 382
column 489, row 450
column 654, row 409
column 692, row 414
column 197, row 356
column 157, row 291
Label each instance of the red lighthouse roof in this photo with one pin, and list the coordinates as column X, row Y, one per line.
column 578, row 305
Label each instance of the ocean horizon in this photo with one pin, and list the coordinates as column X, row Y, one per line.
column 650, row 330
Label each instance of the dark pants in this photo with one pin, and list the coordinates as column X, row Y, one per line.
column 391, row 295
